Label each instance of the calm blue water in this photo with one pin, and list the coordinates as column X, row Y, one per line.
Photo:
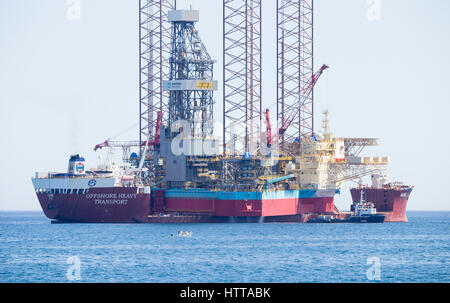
column 33, row 250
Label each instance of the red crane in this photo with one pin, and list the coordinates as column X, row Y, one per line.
column 128, row 144
column 268, row 129
column 306, row 92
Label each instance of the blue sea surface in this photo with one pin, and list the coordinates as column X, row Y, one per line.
column 33, row 250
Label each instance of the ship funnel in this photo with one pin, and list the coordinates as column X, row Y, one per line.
column 76, row 165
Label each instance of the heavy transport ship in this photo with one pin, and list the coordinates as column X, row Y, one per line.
column 104, row 195
column 388, row 198
column 181, row 173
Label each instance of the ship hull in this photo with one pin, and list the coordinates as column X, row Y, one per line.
column 99, row 205
column 125, row 205
column 273, row 206
column 391, row 202
column 378, row 218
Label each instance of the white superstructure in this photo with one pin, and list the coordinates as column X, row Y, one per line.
column 77, row 180
column 364, row 208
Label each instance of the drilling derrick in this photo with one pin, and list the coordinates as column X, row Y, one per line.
column 191, row 83
column 187, row 157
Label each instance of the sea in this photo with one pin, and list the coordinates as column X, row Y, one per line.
column 34, row 250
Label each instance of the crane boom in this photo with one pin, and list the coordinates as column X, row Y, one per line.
column 113, row 144
column 128, row 144
column 306, row 93
column 268, row 129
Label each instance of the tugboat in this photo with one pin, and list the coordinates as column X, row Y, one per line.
column 365, row 212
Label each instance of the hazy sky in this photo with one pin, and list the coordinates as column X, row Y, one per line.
column 68, row 85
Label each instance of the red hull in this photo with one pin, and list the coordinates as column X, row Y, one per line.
column 124, row 205
column 390, row 201
column 250, row 208
column 121, row 205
